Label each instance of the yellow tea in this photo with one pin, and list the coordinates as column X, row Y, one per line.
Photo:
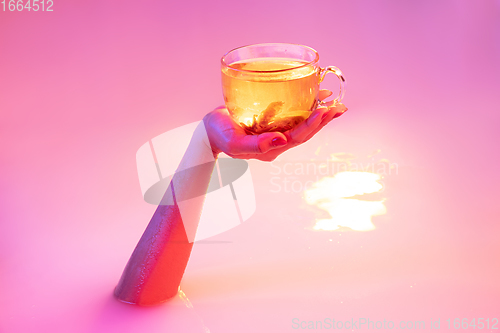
column 270, row 94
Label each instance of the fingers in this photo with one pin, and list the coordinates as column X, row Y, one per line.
column 333, row 112
column 324, row 93
column 303, row 130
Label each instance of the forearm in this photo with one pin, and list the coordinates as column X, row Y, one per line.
column 157, row 264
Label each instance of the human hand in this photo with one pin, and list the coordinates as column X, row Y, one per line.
column 225, row 135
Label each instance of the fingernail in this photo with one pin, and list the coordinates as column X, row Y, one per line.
column 339, row 114
column 278, row 142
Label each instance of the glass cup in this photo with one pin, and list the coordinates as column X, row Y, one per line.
column 274, row 86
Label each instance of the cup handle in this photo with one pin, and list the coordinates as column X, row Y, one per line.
column 338, row 72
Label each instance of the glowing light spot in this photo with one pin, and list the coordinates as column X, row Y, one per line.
column 331, row 193
column 248, row 121
column 342, row 157
column 378, row 151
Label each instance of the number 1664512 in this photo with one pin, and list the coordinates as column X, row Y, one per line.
column 28, row 5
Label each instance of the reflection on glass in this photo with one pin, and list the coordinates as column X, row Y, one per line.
column 330, row 193
column 188, row 304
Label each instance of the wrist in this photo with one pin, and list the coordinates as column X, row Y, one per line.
column 199, row 150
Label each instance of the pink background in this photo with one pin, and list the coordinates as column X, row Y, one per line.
column 84, row 86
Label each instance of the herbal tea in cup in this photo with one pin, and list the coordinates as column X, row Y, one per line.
column 273, row 87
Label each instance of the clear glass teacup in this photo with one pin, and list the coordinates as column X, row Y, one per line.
column 274, row 86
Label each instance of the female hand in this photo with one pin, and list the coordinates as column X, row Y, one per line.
column 225, row 135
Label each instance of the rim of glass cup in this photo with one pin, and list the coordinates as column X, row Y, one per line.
column 315, row 61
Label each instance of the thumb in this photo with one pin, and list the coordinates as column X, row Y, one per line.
column 262, row 143
column 271, row 140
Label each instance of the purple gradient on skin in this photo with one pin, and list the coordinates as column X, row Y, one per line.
column 82, row 87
